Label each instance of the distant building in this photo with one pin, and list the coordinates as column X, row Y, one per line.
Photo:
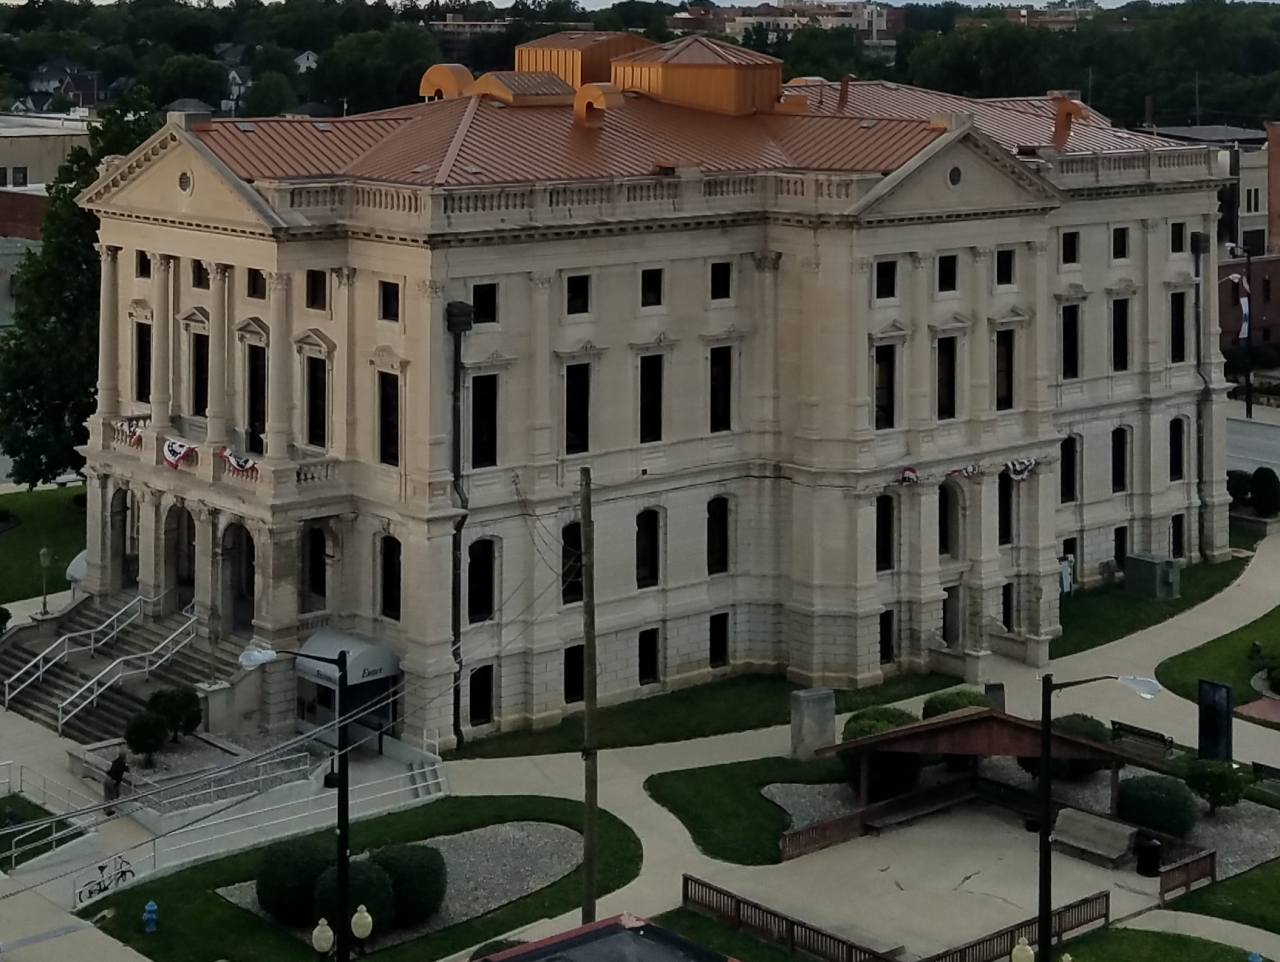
column 306, row 60
column 1065, row 18
column 21, row 215
column 50, row 76
column 239, row 80
column 454, row 33
column 33, row 148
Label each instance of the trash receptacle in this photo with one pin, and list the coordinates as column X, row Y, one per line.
column 1147, row 850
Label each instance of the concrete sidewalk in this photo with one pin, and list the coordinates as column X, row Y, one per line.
column 1245, row 937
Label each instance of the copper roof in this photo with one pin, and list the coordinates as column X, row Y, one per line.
column 294, row 147
column 572, row 39
column 697, row 49
column 1012, row 122
column 530, row 83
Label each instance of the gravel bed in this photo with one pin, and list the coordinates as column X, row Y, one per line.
column 486, row 868
column 809, row 804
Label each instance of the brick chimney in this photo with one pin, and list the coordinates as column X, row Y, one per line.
column 1273, row 187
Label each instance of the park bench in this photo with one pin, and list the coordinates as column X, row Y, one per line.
column 1092, row 837
column 1267, row 777
column 1141, row 741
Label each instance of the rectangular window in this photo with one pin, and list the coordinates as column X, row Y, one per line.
column 1119, row 243
column 1071, row 247
column 199, row 375
column 389, row 418
column 317, row 294
column 1178, row 237
column 142, row 362
column 1004, row 508
column 947, row 273
column 718, row 649
column 484, row 303
column 484, row 420
column 142, row 264
column 650, row 398
column 884, row 533
column 4, row 176
column 951, row 615
column 1068, row 470
column 647, row 657
column 1178, row 327
column 1004, row 369
column 886, row 368
column 574, row 675
column 255, row 284
column 946, row 521
column 1119, row 460
column 391, row 578
column 1254, row 241
column 571, row 563
column 886, row 280
column 317, row 402
column 480, row 580
column 946, row 378
column 1121, row 549
column 1178, row 536
column 647, row 573
column 886, row 637
column 256, row 403
column 1070, row 341
column 1177, row 449
column 577, row 294
column 480, row 692
column 721, row 281
column 717, row 536
column 388, row 301
column 19, row 177
column 1006, row 606
column 651, row 287
column 721, row 407
column 577, row 408
column 1120, row 334
column 1004, row 267
column 316, row 566
column 199, row 275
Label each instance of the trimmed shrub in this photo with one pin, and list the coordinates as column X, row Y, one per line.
column 1072, row 769
column 1239, row 486
column 145, row 734
column 287, row 875
column 179, row 707
column 5, row 616
column 1220, row 784
column 1265, row 493
column 418, row 880
column 368, row 885
column 953, row 700
column 1273, row 678
column 1158, row 802
column 493, row 948
column 890, row 773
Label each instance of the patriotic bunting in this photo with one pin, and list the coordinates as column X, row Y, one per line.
column 968, row 472
column 1020, row 468
column 175, row 452
column 909, row 476
column 235, row 465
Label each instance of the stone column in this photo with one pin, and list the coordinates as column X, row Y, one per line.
column 277, row 556
column 109, row 334
column 98, row 545
column 767, row 323
column 981, row 418
column 1041, row 583
column 1155, row 310
column 541, row 412
column 279, row 371
column 1037, row 354
column 918, row 510
column 216, row 433
column 860, row 359
column 982, row 544
column 919, row 356
column 151, row 548
column 864, row 668
column 206, row 599
column 161, row 351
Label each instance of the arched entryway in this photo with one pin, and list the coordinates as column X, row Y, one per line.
column 179, row 558
column 238, row 573
column 123, row 540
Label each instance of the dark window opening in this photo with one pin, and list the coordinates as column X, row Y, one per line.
column 1177, row 449
column 1266, row 290
column 886, row 370
column 480, row 580
column 255, row 435
column 647, row 657
column 1178, row 327
column 946, row 378
column 948, row 521
column 886, row 638
column 651, row 287
column 1006, row 606
column 1119, row 243
column 1177, row 237
column 1070, row 549
column 571, row 563
column 480, row 696
column 389, row 418
column 1004, row 267
column 484, row 303
column 199, row 375
column 574, row 674
column 718, row 653
column 391, row 578
column 388, row 301
column 1004, row 511
column 19, row 177
column 1004, row 370
column 199, row 275
column 577, row 408
column 647, row 574
column 317, row 402
column 947, row 273
column 316, row 565
column 1121, row 552
column 484, row 420
column 142, row 264
column 717, row 536
column 1254, row 241
column 650, row 398
column 317, row 294
column 577, row 289
column 721, row 281
column 721, row 402
column 255, row 284
column 1119, row 460
column 1120, row 335
column 1071, row 247
column 1178, row 536
column 886, row 280
column 1068, row 471
column 884, row 532
column 1070, row 342
column 951, row 615
column 142, row 362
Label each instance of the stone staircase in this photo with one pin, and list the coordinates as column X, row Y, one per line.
column 197, row 662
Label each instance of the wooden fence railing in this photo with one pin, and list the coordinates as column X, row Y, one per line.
column 997, row 946
column 820, row 835
column 1186, row 872
column 770, row 926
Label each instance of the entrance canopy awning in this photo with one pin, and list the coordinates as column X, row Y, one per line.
column 365, row 660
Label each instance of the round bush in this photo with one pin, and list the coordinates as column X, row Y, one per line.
column 418, row 879
column 889, row 773
column 368, row 885
column 1239, row 486
column 945, row 702
column 1265, row 493
column 287, row 874
column 1158, row 802
column 1220, row 784
column 145, row 735
column 180, row 708
column 1072, row 769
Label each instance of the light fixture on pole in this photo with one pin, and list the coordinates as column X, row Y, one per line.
column 1022, row 952
column 1144, row 688
column 252, row 658
column 44, row 580
column 361, row 926
column 322, row 937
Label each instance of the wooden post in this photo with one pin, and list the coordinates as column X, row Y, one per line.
column 1115, row 789
column 590, row 761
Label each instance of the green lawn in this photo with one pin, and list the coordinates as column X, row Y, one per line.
column 28, row 811
column 45, row 519
column 196, row 925
column 736, row 704
column 697, row 927
column 1102, row 615
column 1224, row 659
column 1251, row 898
column 723, row 809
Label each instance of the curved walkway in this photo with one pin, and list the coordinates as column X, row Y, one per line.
column 1246, row 937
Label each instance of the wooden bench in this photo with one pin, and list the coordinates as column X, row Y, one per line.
column 1142, row 741
column 1093, row 837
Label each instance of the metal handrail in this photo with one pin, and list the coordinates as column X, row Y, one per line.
column 116, row 670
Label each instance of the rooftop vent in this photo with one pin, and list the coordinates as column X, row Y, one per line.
column 444, row 81
column 245, row 126
column 321, row 125
column 592, row 101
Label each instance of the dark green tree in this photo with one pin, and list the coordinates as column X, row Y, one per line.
column 49, row 357
column 373, row 70
column 815, row 52
column 270, row 94
column 190, row 75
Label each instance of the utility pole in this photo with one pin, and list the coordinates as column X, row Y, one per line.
column 590, row 762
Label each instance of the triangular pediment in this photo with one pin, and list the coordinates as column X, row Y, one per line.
column 893, row 329
column 254, row 330
column 314, row 339
column 956, row 322
column 195, row 319
column 1075, row 291
column 1014, row 315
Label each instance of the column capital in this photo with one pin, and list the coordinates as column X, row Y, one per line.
column 1037, row 246
column 108, row 253
column 160, row 262
column 980, row 253
column 541, row 280
column 278, row 280
column 863, row 264
column 918, row 260
column 345, row 276
column 218, row 272
column 766, row 261
column 1152, row 224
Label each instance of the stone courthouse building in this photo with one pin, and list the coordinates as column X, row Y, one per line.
column 854, row 366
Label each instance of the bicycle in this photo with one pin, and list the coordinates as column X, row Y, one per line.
column 121, row 873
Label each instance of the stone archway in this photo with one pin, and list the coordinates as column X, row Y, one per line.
column 238, row 576
column 122, row 559
column 179, row 558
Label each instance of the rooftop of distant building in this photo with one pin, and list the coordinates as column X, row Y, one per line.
column 29, row 125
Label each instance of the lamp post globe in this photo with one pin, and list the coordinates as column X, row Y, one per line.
column 322, row 938
column 1022, row 952
column 361, row 923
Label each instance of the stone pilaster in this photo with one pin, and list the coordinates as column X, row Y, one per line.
column 216, row 433
column 206, row 593
column 981, row 417
column 864, row 668
column 860, row 353
column 984, row 578
column 109, row 333
column 151, row 547
column 765, row 376
column 277, row 568
column 1038, row 352
column 1039, row 572
column 161, row 346
column 343, row 368
column 919, row 356
column 918, row 511
column 98, row 546
column 279, row 370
